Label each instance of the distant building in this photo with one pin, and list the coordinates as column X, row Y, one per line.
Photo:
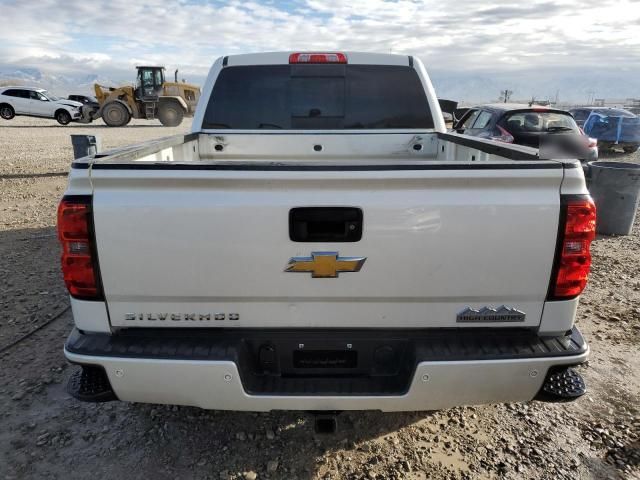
column 633, row 105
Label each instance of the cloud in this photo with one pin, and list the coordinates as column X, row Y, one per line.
column 534, row 10
column 460, row 38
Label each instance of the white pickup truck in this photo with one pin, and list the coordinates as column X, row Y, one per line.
column 319, row 242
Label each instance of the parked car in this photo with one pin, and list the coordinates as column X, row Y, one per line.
column 534, row 126
column 90, row 107
column 36, row 102
column 85, row 100
column 319, row 246
column 613, row 127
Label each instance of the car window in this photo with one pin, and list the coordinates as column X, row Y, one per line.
column 33, row 95
column 536, row 121
column 320, row 97
column 614, row 112
column 470, row 119
column 580, row 114
column 482, row 120
column 14, row 92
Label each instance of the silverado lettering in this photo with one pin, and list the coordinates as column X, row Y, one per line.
column 176, row 317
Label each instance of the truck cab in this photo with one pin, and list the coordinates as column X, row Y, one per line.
column 149, row 83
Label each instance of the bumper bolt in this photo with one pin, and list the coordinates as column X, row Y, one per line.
column 533, row 373
column 227, row 377
column 119, row 373
column 425, row 378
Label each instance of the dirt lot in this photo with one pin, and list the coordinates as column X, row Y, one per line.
column 46, row 434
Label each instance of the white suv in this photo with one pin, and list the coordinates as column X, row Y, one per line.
column 36, row 102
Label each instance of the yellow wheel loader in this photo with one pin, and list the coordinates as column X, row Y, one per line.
column 151, row 97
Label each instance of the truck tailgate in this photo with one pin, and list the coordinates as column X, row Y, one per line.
column 209, row 247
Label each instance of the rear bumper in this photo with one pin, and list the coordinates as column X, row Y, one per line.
column 227, row 376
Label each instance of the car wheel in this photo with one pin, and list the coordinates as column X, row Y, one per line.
column 7, row 112
column 632, row 149
column 63, row 117
column 115, row 114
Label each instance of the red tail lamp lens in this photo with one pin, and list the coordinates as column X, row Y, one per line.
column 574, row 257
column 78, row 262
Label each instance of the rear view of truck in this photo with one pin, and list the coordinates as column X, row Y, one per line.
column 319, row 242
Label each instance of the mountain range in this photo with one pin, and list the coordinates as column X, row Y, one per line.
column 58, row 84
column 471, row 87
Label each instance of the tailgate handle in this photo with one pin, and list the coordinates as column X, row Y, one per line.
column 325, row 224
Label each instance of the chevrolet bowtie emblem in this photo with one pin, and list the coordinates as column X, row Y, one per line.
column 325, row 264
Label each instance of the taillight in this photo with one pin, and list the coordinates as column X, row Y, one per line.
column 591, row 142
column 317, row 58
column 573, row 259
column 78, row 253
column 504, row 136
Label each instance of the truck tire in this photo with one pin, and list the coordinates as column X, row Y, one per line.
column 170, row 113
column 7, row 112
column 115, row 114
column 63, row 117
column 630, row 149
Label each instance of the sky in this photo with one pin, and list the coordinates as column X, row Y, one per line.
column 472, row 49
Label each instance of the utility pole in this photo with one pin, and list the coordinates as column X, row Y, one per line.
column 505, row 95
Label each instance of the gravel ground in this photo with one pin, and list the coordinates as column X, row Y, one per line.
column 46, row 434
column 33, row 145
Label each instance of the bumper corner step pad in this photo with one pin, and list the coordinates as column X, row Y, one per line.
column 90, row 384
column 562, row 385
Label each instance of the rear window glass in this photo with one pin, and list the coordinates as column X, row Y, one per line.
column 468, row 122
column 483, row 120
column 614, row 112
column 16, row 93
column 318, row 97
column 580, row 114
column 539, row 122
